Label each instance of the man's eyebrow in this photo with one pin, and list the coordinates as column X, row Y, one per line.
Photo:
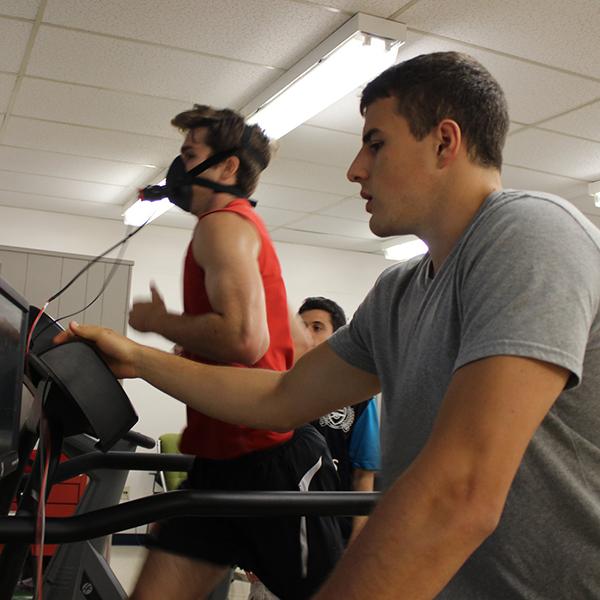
column 367, row 136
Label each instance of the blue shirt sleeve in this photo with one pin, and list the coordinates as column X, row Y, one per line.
column 364, row 447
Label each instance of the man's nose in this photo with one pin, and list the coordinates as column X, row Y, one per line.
column 356, row 172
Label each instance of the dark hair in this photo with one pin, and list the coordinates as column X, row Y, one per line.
column 338, row 317
column 225, row 130
column 432, row 87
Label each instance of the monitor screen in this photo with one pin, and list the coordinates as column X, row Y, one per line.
column 14, row 312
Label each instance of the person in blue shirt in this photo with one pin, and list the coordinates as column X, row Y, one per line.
column 352, row 432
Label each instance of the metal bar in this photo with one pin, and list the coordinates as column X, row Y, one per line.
column 190, row 503
column 127, row 461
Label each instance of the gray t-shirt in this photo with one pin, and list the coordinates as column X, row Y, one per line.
column 524, row 279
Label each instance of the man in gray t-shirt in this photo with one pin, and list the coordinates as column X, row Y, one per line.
column 487, row 351
column 523, row 280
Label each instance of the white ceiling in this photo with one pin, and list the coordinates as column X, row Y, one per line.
column 87, row 90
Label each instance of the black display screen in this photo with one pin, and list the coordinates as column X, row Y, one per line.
column 13, row 324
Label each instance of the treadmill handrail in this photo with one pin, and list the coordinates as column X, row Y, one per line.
column 109, row 520
column 126, row 461
column 139, row 439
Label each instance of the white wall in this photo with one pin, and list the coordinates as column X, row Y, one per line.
column 158, row 255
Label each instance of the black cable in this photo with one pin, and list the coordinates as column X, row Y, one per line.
column 105, row 284
column 95, row 260
column 108, row 279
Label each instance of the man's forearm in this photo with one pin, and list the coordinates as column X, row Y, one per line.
column 209, row 336
column 362, row 481
column 241, row 396
column 411, row 546
column 276, row 400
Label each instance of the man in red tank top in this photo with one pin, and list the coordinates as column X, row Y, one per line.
column 236, row 313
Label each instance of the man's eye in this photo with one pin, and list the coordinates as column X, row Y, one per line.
column 375, row 146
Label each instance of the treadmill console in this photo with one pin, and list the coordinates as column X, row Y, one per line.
column 85, row 396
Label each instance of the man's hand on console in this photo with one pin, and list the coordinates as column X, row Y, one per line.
column 119, row 351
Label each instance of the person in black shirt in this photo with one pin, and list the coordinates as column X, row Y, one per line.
column 352, row 432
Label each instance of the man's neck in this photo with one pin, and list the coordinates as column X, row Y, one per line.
column 456, row 207
column 221, row 199
column 216, row 201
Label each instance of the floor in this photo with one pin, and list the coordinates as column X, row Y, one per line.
column 126, row 561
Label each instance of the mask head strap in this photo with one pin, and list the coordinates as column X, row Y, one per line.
column 175, row 188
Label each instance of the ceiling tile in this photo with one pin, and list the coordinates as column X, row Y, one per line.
column 7, row 83
column 524, row 179
column 554, row 92
column 91, row 59
column 584, row 122
column 13, row 41
column 344, row 115
column 81, row 105
column 94, row 143
column 275, row 217
column 23, row 160
column 176, row 218
column 322, row 146
column 60, row 205
column 379, row 8
column 26, row 9
column 309, row 176
column 514, row 127
column 326, row 240
column 61, row 188
column 546, row 31
column 333, row 226
column 296, row 199
column 554, row 153
column 260, row 31
column 115, row 110
column 349, row 208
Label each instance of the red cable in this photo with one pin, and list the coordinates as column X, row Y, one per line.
column 40, row 526
column 39, row 316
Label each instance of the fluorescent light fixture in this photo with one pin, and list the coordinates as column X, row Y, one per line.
column 354, row 54
column 144, row 210
column 594, row 190
column 405, row 250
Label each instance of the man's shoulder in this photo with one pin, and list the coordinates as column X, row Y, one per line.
column 527, row 203
column 227, row 221
column 222, row 234
column 533, row 214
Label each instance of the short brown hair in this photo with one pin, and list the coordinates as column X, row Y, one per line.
column 225, row 130
column 336, row 312
column 432, row 87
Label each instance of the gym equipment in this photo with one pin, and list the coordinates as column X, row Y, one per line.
column 80, row 396
column 72, row 383
column 79, row 570
column 13, row 333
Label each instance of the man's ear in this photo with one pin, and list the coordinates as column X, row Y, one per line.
column 231, row 166
column 448, row 142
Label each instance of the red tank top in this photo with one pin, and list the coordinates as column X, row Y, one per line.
column 208, row 437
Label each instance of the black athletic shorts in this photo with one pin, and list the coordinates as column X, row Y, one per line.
column 291, row 555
